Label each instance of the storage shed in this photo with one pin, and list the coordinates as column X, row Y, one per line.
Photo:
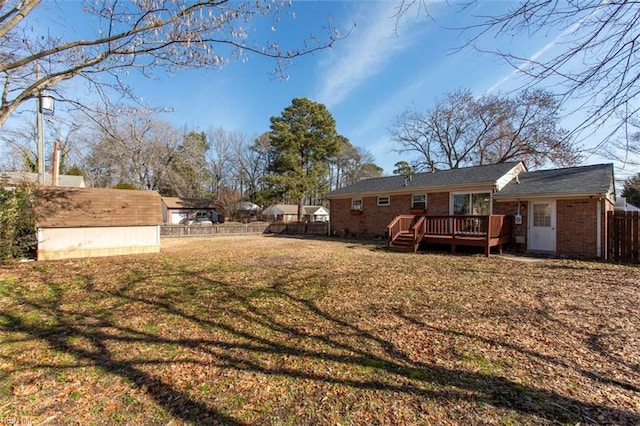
column 92, row 222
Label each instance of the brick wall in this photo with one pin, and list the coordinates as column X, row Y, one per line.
column 576, row 225
column 510, row 209
column 576, row 222
column 374, row 218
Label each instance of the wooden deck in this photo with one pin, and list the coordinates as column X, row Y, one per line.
column 406, row 232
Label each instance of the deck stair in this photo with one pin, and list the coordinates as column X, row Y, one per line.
column 405, row 232
column 403, row 242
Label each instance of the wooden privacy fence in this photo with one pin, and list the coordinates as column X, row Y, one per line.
column 624, row 236
column 314, row 228
column 221, row 229
column 296, row 228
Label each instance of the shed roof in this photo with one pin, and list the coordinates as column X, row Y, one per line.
column 593, row 179
column 486, row 174
column 88, row 207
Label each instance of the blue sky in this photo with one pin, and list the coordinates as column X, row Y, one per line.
column 365, row 80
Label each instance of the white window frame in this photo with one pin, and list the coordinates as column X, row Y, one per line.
column 469, row 194
column 384, row 197
column 413, row 205
column 356, row 204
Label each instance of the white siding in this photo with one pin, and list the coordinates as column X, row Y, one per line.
column 65, row 243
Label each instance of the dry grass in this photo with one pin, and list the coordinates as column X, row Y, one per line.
column 267, row 330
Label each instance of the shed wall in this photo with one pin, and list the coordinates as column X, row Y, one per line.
column 66, row 243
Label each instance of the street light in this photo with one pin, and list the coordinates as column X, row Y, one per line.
column 45, row 107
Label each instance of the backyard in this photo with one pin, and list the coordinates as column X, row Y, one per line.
column 277, row 330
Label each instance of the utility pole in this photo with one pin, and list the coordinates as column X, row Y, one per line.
column 39, row 131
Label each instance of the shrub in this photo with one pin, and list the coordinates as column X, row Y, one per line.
column 124, row 185
column 17, row 222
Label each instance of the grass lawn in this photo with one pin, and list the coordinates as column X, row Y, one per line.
column 269, row 330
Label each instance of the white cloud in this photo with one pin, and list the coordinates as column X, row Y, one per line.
column 370, row 47
column 529, row 62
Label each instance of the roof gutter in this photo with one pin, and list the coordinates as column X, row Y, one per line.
column 561, row 196
column 412, row 190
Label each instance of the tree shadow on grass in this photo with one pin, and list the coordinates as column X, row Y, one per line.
column 248, row 329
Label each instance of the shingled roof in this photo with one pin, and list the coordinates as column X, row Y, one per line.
column 189, row 203
column 93, row 207
column 594, row 179
column 486, row 174
column 277, row 209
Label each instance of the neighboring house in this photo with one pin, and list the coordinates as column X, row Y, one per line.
column 11, row 179
column 560, row 211
column 91, row 222
column 288, row 213
column 624, row 206
column 174, row 209
column 246, row 211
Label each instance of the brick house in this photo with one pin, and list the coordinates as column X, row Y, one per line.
column 559, row 211
column 174, row 209
column 91, row 222
column 287, row 213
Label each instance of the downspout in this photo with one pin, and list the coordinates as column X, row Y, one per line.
column 599, row 229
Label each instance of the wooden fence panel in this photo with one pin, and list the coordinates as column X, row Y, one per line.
column 213, row 230
column 297, row 228
column 314, row 228
column 624, row 236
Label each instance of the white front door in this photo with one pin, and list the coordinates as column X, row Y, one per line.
column 542, row 226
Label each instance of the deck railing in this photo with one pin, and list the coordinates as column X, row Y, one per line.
column 469, row 225
column 457, row 225
column 484, row 231
column 399, row 225
column 500, row 225
column 419, row 228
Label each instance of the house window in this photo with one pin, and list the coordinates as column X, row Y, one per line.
column 542, row 215
column 419, row 201
column 472, row 204
column 356, row 204
column 384, row 201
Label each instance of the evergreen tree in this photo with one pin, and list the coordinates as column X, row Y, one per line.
column 631, row 190
column 402, row 168
column 303, row 141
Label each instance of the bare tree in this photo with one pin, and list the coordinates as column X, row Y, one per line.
column 188, row 175
column 461, row 130
column 352, row 164
column 131, row 146
column 626, row 149
column 598, row 59
column 221, row 158
column 20, row 152
column 147, row 35
column 252, row 161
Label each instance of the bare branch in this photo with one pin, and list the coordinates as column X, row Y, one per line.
column 151, row 34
